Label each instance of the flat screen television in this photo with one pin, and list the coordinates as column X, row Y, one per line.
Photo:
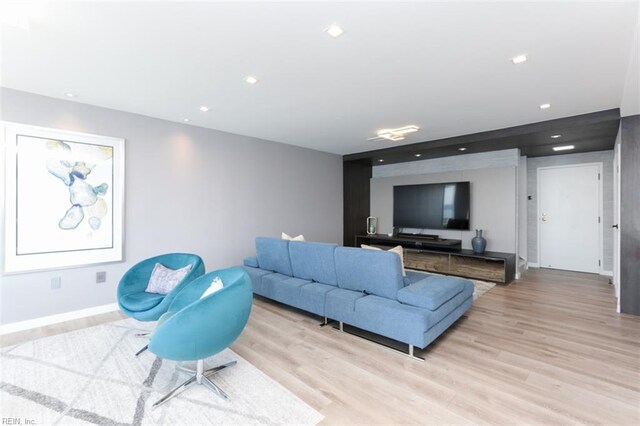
column 432, row 206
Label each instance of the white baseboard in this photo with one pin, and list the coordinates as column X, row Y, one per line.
column 55, row 319
column 606, row 273
column 532, row 265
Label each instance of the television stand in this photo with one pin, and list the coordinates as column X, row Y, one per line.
column 446, row 256
column 421, row 236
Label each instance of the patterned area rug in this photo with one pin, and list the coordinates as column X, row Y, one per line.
column 481, row 287
column 91, row 376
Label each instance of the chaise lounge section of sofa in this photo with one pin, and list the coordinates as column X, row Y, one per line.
column 362, row 288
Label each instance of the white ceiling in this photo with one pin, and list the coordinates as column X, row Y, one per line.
column 442, row 66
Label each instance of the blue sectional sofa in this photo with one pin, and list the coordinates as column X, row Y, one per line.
column 362, row 288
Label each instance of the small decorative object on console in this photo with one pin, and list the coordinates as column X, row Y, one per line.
column 479, row 243
column 372, row 224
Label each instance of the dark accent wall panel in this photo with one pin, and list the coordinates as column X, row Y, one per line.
column 630, row 216
column 357, row 176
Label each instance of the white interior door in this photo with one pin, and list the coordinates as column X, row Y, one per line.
column 569, row 217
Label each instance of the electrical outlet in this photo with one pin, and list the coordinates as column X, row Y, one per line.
column 56, row 283
column 101, row 277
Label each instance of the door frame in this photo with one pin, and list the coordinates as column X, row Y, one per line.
column 616, row 220
column 600, row 209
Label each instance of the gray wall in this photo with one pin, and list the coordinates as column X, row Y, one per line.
column 522, row 209
column 604, row 157
column 629, row 215
column 482, row 160
column 187, row 189
column 493, row 203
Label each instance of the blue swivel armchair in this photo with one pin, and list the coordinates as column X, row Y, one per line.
column 194, row 329
column 135, row 302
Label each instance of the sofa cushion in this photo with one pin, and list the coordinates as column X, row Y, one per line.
column 340, row 304
column 251, row 261
column 414, row 277
column 288, row 291
column 371, row 271
column 271, row 282
column 256, row 275
column 313, row 261
column 273, row 255
column 397, row 249
column 313, row 296
column 431, row 292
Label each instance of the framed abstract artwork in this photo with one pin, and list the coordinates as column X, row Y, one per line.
column 64, row 198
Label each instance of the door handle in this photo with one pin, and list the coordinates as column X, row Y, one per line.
column 615, row 226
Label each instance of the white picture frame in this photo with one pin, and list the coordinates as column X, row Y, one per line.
column 64, row 198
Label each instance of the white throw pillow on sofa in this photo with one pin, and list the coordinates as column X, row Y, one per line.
column 397, row 249
column 290, row 238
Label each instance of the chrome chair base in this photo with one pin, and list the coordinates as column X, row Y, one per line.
column 200, row 377
column 142, row 350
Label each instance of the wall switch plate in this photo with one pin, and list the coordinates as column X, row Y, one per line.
column 56, row 283
column 101, row 277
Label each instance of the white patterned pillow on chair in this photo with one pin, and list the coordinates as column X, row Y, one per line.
column 163, row 280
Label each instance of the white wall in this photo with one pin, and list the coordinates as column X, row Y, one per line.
column 493, row 178
column 630, row 104
column 187, row 189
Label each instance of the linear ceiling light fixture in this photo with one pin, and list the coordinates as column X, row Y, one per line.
column 394, row 134
column 545, row 106
column 556, row 136
column 519, row 59
column 251, row 79
column 334, row 30
column 563, row 148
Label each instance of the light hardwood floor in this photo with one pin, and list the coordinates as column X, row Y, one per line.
column 548, row 349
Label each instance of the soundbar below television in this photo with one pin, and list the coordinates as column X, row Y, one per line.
column 432, row 206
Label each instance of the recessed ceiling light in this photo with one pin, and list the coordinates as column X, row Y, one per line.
column 70, row 95
column 251, row 79
column 186, row 120
column 394, row 134
column 563, row 148
column 418, row 155
column 204, row 108
column 556, row 136
column 462, row 149
column 334, row 31
column 519, row 59
column 545, row 106
column 381, row 160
